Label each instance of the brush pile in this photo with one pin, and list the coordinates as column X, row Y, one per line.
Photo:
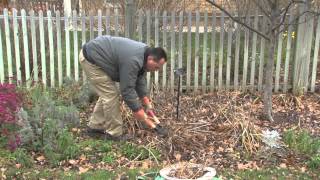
column 218, row 129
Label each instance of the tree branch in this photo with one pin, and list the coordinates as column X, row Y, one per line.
column 236, row 20
column 284, row 15
column 285, row 11
column 316, row 14
column 272, row 3
column 261, row 8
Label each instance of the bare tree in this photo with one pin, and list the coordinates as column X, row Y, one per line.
column 276, row 11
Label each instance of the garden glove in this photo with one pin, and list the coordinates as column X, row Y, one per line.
column 149, row 109
column 142, row 116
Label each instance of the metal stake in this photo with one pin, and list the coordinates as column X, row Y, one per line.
column 179, row 72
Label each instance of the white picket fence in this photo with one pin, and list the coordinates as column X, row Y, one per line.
column 216, row 53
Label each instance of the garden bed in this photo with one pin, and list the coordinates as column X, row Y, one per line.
column 219, row 130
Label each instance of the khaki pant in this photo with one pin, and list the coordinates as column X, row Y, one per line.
column 106, row 114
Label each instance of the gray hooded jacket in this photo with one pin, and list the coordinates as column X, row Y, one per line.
column 121, row 59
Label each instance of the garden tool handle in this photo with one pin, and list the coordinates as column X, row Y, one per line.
column 153, row 116
column 149, row 123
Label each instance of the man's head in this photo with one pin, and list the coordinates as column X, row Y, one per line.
column 154, row 58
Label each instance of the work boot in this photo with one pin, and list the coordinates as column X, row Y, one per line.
column 123, row 137
column 94, row 132
column 161, row 131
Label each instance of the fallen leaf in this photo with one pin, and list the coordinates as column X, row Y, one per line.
column 229, row 149
column 66, row 168
column 204, row 110
column 146, row 164
column 18, row 166
column 249, row 165
column 40, row 158
column 83, row 158
column 178, row 156
column 242, row 166
column 220, row 149
column 283, row 165
column 75, row 130
column 83, row 170
column 72, row 161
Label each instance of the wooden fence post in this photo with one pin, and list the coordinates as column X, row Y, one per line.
column 129, row 18
column 25, row 47
column 1, row 60
column 302, row 57
column 213, row 52
column 51, row 50
column 17, row 46
column 315, row 57
column 220, row 78
column 59, row 49
column 238, row 70
column 164, row 68
column 43, row 50
column 34, row 48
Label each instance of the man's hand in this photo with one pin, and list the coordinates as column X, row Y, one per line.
column 151, row 114
column 142, row 116
column 149, row 109
column 162, row 131
column 147, row 103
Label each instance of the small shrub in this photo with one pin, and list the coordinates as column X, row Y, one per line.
column 132, row 151
column 289, row 138
column 266, row 174
column 10, row 103
column 25, row 132
column 45, row 125
column 99, row 174
column 74, row 93
column 302, row 142
column 314, row 163
column 109, row 158
column 52, row 156
column 6, row 157
column 63, row 149
column 21, row 156
column 105, row 147
column 66, row 145
column 43, row 119
column 97, row 145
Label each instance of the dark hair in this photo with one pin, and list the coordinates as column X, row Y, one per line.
column 157, row 53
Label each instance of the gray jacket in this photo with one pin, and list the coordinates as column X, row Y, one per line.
column 121, row 59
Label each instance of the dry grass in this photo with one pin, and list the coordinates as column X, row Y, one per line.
column 221, row 116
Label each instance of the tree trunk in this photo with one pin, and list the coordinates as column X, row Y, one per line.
column 269, row 67
column 268, row 81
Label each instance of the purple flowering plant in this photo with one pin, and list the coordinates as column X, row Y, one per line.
column 10, row 104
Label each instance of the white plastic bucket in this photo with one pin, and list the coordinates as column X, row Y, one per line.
column 209, row 175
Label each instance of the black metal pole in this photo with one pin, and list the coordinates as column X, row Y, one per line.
column 179, row 72
column 178, row 98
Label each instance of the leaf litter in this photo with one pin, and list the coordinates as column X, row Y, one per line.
column 222, row 129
